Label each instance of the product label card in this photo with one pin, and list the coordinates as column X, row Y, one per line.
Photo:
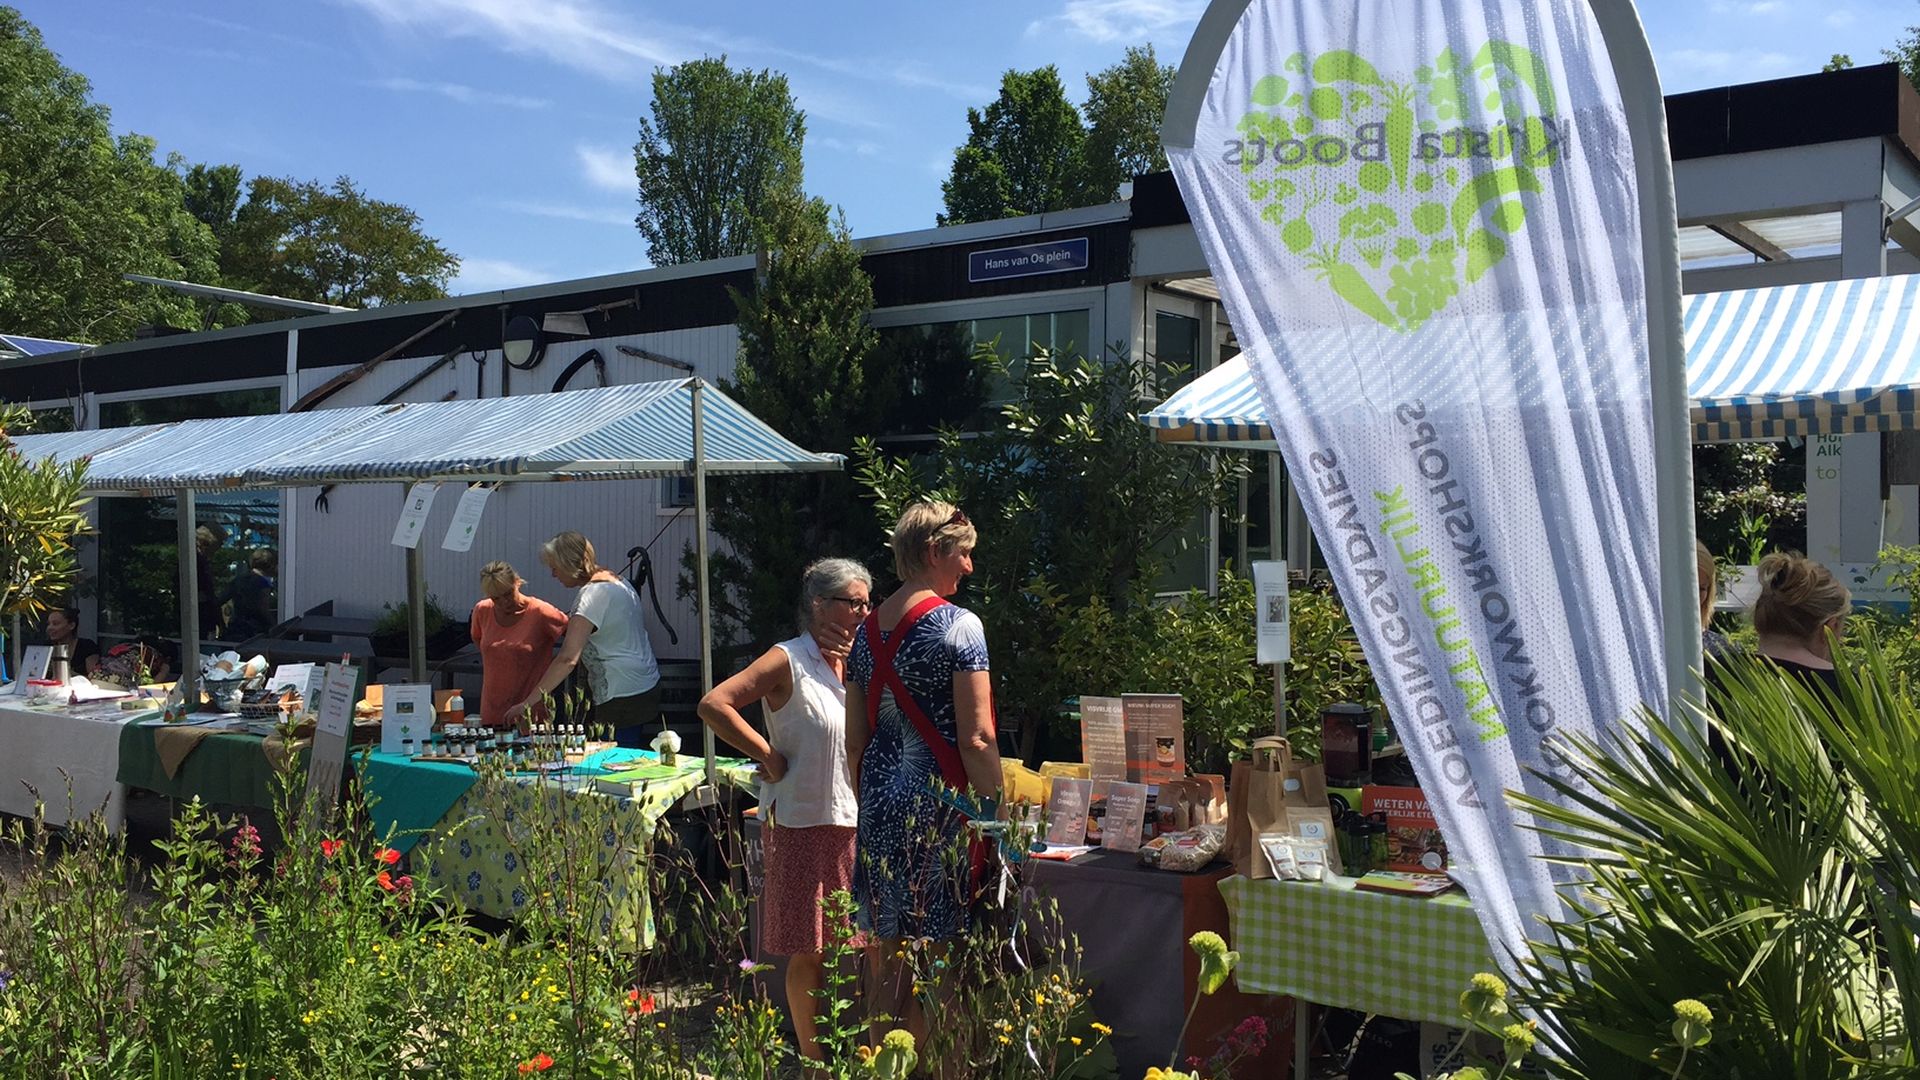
column 405, row 714
column 1125, row 815
column 1067, row 812
column 1156, row 735
column 1103, row 737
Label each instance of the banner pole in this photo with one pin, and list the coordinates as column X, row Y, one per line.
column 1639, row 81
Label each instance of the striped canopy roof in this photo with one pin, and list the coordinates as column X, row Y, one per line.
column 610, row 433
column 1833, row 357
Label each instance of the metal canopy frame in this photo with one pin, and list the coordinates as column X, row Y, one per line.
column 698, row 466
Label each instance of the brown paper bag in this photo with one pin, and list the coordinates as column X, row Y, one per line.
column 1266, row 798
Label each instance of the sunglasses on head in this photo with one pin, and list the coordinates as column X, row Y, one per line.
column 958, row 518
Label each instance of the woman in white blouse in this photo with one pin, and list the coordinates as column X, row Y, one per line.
column 607, row 635
column 806, row 794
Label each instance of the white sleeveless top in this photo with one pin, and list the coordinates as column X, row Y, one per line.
column 810, row 731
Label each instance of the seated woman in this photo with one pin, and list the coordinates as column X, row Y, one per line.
column 807, row 806
column 516, row 634
column 80, row 656
column 254, row 611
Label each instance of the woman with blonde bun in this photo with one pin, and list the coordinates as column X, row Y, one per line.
column 1801, row 612
column 515, row 634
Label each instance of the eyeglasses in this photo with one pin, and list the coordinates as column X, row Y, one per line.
column 853, row 604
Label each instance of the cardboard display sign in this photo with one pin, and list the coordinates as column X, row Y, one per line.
column 1414, row 843
column 333, row 730
column 1126, row 813
column 1156, row 737
column 1103, row 737
column 1067, row 812
column 406, row 714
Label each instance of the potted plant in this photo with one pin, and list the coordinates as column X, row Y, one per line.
column 445, row 634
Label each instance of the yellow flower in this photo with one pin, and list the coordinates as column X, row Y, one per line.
column 1102, row 1028
column 1004, row 1040
column 349, row 959
column 1075, row 1040
column 513, row 1018
column 1039, row 999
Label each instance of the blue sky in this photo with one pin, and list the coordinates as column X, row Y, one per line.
column 508, row 124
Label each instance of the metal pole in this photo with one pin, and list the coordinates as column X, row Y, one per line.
column 1639, row 81
column 704, row 599
column 416, row 618
column 189, row 593
column 1279, row 534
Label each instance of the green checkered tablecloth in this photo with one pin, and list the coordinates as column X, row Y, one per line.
column 1334, row 945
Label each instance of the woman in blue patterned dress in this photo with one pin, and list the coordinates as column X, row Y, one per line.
column 919, row 711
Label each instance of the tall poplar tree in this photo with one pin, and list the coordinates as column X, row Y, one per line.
column 721, row 147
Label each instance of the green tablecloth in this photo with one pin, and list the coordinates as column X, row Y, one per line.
column 230, row 768
column 1332, row 944
column 482, row 853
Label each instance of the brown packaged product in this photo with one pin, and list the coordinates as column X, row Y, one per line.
column 1186, row 852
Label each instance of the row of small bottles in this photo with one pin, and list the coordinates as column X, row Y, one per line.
column 471, row 742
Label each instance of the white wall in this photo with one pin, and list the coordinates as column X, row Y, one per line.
column 346, row 554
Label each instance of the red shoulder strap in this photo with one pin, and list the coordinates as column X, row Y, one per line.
column 945, row 754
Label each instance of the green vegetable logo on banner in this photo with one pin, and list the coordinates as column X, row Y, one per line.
column 1423, row 217
column 1331, row 141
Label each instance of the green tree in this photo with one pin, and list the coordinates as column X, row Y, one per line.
column 79, row 208
column 1838, row 62
column 1026, row 153
column 1075, row 502
column 722, row 147
column 1751, row 480
column 1125, row 104
column 42, row 513
column 1906, row 53
column 331, row 244
column 807, row 366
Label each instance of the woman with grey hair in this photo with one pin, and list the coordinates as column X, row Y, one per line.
column 807, row 801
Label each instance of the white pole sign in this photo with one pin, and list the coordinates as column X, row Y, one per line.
column 466, row 518
column 1273, row 615
column 332, row 732
column 413, row 517
column 1424, row 219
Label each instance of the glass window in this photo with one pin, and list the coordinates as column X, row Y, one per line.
column 138, row 574
column 1176, row 354
column 938, row 380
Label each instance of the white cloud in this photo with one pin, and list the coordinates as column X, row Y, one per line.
column 465, row 95
column 1841, row 18
column 1748, row 7
column 860, row 146
column 1120, row 20
column 1733, row 65
column 598, row 215
column 573, row 33
column 609, row 168
column 489, row 275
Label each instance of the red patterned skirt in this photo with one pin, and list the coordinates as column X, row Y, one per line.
column 803, row 867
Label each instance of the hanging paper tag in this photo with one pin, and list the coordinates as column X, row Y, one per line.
column 466, row 518
column 414, row 517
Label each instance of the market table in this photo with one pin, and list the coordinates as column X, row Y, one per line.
column 1133, row 923
column 228, row 768
column 1329, row 943
column 472, row 836
column 50, row 746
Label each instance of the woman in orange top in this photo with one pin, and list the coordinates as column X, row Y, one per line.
column 516, row 634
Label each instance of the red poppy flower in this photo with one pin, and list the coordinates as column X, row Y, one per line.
column 388, row 855
column 386, row 881
column 637, row 1004
column 538, row 1063
column 330, row 848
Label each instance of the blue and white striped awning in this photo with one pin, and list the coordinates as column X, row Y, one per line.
column 1833, row 357
column 614, row 432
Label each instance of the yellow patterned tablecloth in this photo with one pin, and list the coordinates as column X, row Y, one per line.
column 507, row 848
